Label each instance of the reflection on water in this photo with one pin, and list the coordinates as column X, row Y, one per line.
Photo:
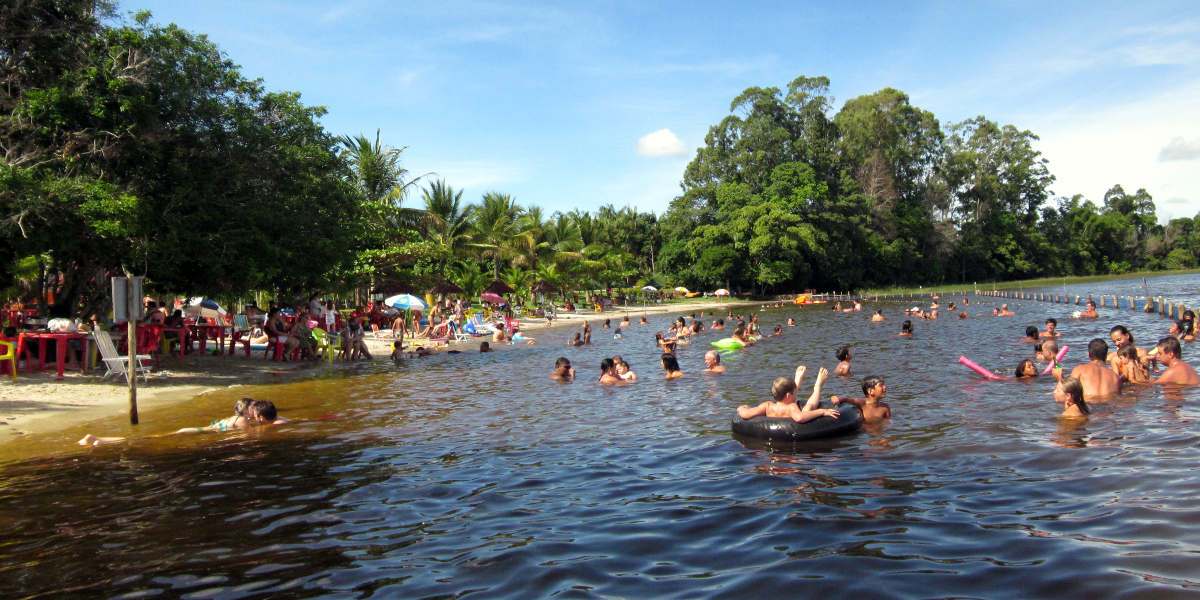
column 474, row 473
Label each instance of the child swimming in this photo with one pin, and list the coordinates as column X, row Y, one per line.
column 247, row 412
column 1069, row 393
column 670, row 366
column 843, row 367
column 783, row 402
column 874, row 389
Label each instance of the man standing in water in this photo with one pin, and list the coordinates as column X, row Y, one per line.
column 1099, row 381
column 712, row 362
column 1178, row 372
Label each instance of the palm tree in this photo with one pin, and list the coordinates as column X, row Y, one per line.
column 495, row 224
column 448, row 222
column 380, row 178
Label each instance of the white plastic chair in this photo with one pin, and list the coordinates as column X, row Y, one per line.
column 115, row 363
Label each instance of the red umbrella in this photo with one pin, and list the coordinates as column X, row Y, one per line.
column 492, row 298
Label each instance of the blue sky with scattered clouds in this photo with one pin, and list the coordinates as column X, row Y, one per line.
column 578, row 104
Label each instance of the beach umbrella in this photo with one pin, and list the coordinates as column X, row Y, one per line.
column 492, row 298
column 204, row 307
column 649, row 288
column 682, row 290
column 721, row 292
column 405, row 302
column 499, row 287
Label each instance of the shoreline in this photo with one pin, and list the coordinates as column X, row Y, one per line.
column 1020, row 283
column 38, row 404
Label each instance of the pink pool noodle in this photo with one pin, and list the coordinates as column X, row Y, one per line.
column 970, row 364
column 1057, row 359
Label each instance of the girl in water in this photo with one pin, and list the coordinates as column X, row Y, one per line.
column 1129, row 367
column 1070, row 394
column 623, row 370
column 670, row 365
column 843, row 356
column 608, row 373
column 247, row 412
column 906, row 329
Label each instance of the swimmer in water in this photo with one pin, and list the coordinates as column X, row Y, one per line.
column 247, row 413
column 608, row 373
column 1170, row 354
column 1097, row 379
column 485, row 347
column 618, row 334
column 739, row 334
column 1089, row 312
column 670, row 366
column 712, row 362
column 624, row 371
column 1070, row 394
column 1129, row 367
column 643, row 320
column 577, row 340
column 719, row 324
column 791, row 322
column 1051, row 328
column 843, row 356
column 783, row 403
column 1004, row 312
column 778, row 331
column 962, row 315
column 563, row 371
column 1122, row 338
column 1031, row 335
column 1026, row 369
column 878, row 317
column 873, row 409
column 906, row 329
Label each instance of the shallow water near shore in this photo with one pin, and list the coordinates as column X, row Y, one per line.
column 469, row 473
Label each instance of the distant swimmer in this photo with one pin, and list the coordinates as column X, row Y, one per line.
column 608, row 373
column 873, row 410
column 712, row 362
column 1004, row 312
column 670, row 366
column 783, row 402
column 1051, row 328
column 778, row 331
column 791, row 322
column 1170, row 353
column 1097, row 379
column 1089, row 312
column 878, row 317
column 906, row 329
column 843, row 367
column 624, row 371
column 1031, row 335
column 1070, row 394
column 563, row 371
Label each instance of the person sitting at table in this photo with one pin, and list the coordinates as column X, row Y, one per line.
column 155, row 314
column 303, row 334
column 278, row 328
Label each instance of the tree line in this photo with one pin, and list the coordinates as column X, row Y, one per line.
column 135, row 147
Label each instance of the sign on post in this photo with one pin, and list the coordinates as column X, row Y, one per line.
column 127, row 306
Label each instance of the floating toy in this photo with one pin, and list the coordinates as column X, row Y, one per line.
column 986, row 374
column 728, row 344
column 782, row 429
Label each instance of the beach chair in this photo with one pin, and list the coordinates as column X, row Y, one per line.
column 477, row 327
column 325, row 344
column 458, row 333
column 115, row 363
column 9, row 355
column 241, row 333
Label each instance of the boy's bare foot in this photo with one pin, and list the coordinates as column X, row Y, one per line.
column 89, row 440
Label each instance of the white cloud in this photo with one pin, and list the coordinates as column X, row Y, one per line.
column 1090, row 150
column 663, row 142
column 1180, row 149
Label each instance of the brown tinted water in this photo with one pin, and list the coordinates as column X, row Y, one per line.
column 474, row 474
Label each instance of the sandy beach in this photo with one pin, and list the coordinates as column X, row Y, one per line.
column 37, row 403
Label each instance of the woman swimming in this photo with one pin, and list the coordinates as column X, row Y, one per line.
column 670, row 366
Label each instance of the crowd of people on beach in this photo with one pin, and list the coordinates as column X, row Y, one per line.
column 1097, row 380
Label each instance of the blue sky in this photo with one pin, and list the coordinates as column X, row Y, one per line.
column 548, row 102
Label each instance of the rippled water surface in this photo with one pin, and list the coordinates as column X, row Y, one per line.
column 474, row 475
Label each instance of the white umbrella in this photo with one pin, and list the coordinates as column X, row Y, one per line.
column 649, row 288
column 405, row 302
column 721, row 292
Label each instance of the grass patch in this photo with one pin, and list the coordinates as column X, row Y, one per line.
column 1021, row 284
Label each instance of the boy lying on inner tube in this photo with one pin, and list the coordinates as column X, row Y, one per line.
column 784, row 404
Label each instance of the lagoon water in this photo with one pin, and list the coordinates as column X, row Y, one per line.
column 474, row 475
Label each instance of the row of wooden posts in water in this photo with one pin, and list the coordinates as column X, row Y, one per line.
column 1161, row 305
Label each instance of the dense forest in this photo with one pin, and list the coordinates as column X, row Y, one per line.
column 135, row 147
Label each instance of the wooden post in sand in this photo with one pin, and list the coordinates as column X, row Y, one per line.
column 127, row 305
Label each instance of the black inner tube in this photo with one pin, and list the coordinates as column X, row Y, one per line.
column 786, row 430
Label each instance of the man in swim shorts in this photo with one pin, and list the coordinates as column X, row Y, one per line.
column 1099, row 381
column 1170, row 353
column 712, row 362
